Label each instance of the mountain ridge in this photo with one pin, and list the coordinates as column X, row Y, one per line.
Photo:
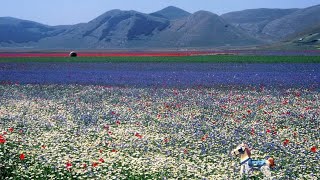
column 170, row 27
column 171, row 13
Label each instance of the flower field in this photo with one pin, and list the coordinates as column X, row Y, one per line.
column 109, row 132
column 163, row 74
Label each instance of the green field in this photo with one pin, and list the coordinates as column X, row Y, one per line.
column 195, row 59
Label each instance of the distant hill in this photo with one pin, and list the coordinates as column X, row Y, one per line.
column 204, row 29
column 14, row 30
column 171, row 13
column 170, row 27
column 113, row 29
column 308, row 39
column 125, row 25
column 295, row 22
column 131, row 29
column 254, row 21
column 274, row 24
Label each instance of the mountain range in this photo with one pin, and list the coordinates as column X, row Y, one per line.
column 170, row 28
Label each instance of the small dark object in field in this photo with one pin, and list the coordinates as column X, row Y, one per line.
column 73, row 54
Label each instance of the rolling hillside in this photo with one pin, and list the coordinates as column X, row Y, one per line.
column 204, row 29
column 171, row 13
column 253, row 21
column 170, row 27
column 14, row 30
column 308, row 39
column 295, row 22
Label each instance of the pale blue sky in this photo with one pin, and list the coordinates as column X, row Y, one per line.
column 59, row 12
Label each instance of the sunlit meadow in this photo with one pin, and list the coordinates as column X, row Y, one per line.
column 102, row 132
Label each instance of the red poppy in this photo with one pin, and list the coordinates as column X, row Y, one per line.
column 95, row 164
column 43, row 146
column 249, row 111
column 286, row 142
column 285, row 102
column 22, row 156
column 106, row 127
column 268, row 131
column 138, row 135
column 185, row 151
column 68, row 165
column 113, row 150
column 252, row 131
column 308, row 108
column 11, row 129
column 313, row 149
column 204, row 137
column 100, row 151
column 118, row 122
column 84, row 166
column 295, row 134
column 2, row 139
column 101, row 160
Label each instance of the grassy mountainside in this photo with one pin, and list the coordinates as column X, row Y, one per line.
column 203, row 29
column 293, row 23
column 171, row 13
column 168, row 28
column 131, row 29
column 254, row 21
column 14, row 30
column 112, row 29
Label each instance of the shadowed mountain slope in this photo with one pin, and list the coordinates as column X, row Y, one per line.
column 112, row 29
column 14, row 30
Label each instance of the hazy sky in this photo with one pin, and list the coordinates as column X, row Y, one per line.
column 56, row 12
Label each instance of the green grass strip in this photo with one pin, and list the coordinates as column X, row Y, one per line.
column 191, row 59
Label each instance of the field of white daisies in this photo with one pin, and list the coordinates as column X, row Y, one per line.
column 98, row 132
